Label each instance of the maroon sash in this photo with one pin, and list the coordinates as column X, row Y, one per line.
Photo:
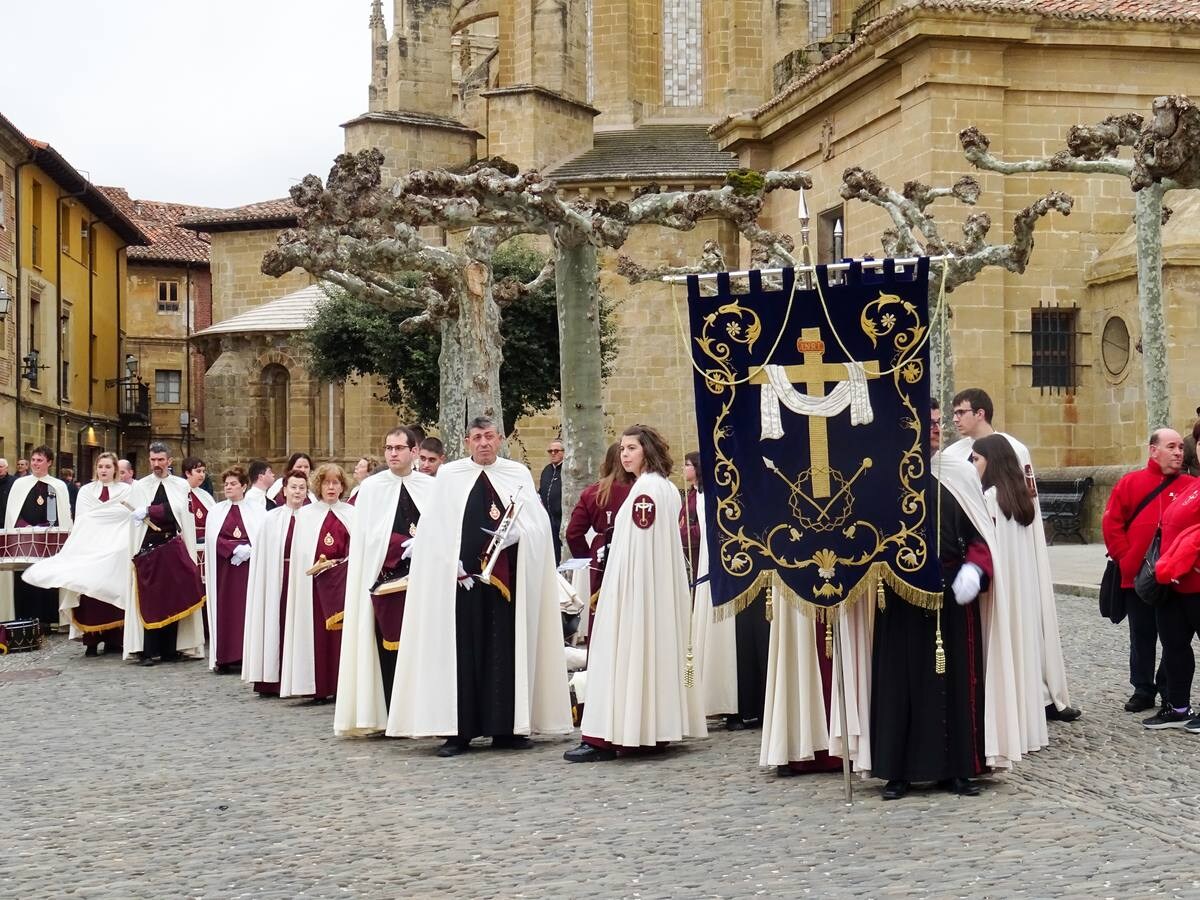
column 168, row 583
column 389, row 616
column 329, row 589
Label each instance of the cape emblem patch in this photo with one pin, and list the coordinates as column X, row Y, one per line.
column 328, row 539
column 644, row 511
column 237, row 532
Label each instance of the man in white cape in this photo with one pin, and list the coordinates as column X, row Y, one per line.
column 445, row 594
column 272, row 579
column 388, row 508
column 162, row 499
column 34, row 500
column 1031, row 580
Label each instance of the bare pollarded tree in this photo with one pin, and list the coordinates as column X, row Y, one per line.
column 1096, row 150
column 915, row 232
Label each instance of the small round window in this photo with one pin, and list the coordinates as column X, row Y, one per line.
column 1114, row 345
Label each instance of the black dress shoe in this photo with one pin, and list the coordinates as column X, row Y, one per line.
column 511, row 742
column 895, row 789
column 91, row 651
column 147, row 661
column 964, row 787
column 588, row 753
column 734, row 723
column 453, row 747
column 1139, row 702
column 1066, row 714
column 786, row 772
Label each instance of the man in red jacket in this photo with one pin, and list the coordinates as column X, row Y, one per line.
column 1127, row 538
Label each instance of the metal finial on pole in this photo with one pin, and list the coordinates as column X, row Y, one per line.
column 845, row 714
column 806, row 254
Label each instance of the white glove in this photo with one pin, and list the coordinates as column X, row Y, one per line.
column 240, row 554
column 601, row 553
column 510, row 539
column 464, row 580
column 140, row 514
column 967, row 583
column 408, row 545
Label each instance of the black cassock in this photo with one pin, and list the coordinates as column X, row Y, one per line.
column 403, row 527
column 485, row 624
column 926, row 726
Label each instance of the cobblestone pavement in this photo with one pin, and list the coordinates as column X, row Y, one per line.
column 128, row 782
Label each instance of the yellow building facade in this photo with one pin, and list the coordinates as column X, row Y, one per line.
column 63, row 353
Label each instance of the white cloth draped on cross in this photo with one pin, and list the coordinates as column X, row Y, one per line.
column 852, row 393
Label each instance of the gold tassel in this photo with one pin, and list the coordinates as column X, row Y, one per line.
column 689, row 668
column 880, row 596
column 828, row 641
column 770, row 603
column 939, row 652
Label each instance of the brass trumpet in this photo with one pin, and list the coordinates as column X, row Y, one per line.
column 492, row 554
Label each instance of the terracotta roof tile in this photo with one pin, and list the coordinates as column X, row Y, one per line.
column 281, row 213
column 1170, row 12
column 159, row 222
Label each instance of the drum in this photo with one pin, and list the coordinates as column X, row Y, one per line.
column 20, row 635
column 22, row 547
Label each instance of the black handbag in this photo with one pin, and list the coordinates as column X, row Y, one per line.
column 1112, row 598
column 1145, row 585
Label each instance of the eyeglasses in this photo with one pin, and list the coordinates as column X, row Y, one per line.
column 395, row 448
column 959, row 413
column 552, row 451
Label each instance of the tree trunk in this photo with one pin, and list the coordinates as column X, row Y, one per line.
column 479, row 331
column 1148, row 217
column 576, row 281
column 452, row 398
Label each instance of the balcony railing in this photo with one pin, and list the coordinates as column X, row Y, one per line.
column 135, row 403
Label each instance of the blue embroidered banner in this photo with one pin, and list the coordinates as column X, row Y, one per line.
column 814, row 437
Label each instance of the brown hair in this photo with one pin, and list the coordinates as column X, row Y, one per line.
column 656, row 452
column 328, row 470
column 611, row 471
column 693, row 456
column 1004, row 473
column 106, row 455
column 236, row 472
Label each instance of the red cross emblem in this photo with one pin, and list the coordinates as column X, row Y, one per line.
column 643, row 511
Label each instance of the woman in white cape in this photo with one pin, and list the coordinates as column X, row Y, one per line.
column 1011, row 508
column 92, row 569
column 637, row 695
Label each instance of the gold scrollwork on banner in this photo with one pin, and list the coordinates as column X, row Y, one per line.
column 880, row 554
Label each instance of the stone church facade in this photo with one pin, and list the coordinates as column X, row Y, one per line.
column 605, row 95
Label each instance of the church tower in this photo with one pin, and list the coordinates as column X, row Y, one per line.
column 410, row 107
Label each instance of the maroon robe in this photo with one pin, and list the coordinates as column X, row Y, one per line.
column 689, row 531
column 329, row 602
column 232, row 582
column 272, row 687
column 590, row 513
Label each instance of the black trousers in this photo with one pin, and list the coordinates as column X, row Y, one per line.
column 485, row 625
column 753, row 637
column 160, row 642
column 1178, row 622
column 1143, row 648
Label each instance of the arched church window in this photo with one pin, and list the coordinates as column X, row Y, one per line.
column 683, row 31
column 273, row 413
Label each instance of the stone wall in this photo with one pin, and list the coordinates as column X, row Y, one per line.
column 238, row 283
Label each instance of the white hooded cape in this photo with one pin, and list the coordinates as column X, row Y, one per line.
column 1035, row 589
column 425, row 689
column 298, row 675
column 361, row 708
column 95, row 559
column 260, row 647
column 636, row 695
column 16, row 499
column 252, row 518
column 189, row 637
column 714, row 643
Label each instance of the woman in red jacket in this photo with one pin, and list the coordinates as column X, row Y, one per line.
column 596, row 511
column 1178, row 618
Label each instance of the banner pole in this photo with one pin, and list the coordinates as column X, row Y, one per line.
column 841, row 688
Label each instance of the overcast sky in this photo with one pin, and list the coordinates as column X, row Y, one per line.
column 215, row 103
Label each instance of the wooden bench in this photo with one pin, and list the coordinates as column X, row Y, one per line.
column 1062, row 506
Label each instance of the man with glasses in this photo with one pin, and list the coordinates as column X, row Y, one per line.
column 550, row 490
column 388, row 507
column 1033, row 587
